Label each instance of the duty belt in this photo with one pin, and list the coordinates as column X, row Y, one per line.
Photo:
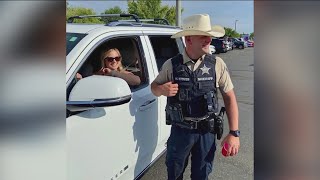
column 193, row 122
column 196, row 119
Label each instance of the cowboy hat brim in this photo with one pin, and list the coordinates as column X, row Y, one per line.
column 216, row 31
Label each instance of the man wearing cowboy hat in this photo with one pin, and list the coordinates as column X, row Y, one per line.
column 190, row 81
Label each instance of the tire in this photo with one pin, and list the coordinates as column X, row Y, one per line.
column 240, row 47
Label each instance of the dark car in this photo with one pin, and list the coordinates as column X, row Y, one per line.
column 219, row 45
column 237, row 43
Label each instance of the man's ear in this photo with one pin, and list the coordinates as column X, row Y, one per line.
column 188, row 39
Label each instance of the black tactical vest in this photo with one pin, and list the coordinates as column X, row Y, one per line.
column 197, row 92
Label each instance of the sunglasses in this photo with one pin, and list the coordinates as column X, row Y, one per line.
column 110, row 59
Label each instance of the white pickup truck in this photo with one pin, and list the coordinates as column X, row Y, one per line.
column 115, row 131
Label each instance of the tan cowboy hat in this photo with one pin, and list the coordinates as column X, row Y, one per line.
column 199, row 24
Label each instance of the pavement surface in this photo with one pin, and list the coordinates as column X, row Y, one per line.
column 240, row 65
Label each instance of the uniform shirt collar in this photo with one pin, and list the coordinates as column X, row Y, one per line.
column 187, row 59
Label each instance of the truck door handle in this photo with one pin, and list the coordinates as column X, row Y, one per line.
column 147, row 105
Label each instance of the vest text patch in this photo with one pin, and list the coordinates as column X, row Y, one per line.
column 181, row 79
column 205, row 79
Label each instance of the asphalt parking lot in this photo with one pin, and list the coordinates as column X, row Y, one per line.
column 240, row 64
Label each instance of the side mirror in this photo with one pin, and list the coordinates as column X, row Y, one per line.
column 98, row 91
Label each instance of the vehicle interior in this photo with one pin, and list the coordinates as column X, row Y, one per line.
column 129, row 52
column 131, row 59
column 164, row 48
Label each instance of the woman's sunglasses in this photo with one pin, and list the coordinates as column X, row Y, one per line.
column 110, row 59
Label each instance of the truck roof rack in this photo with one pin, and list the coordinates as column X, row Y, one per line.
column 164, row 21
column 117, row 23
column 135, row 21
column 135, row 17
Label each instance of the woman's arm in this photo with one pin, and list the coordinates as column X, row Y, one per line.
column 131, row 79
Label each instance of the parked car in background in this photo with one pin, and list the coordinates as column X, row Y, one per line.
column 219, row 45
column 231, row 44
column 250, row 43
column 231, row 40
column 237, row 44
column 212, row 49
column 228, row 45
column 227, row 42
column 244, row 42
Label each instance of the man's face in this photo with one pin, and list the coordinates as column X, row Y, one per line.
column 200, row 44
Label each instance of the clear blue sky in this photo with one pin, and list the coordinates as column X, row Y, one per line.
column 223, row 13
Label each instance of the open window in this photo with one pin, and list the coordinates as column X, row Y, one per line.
column 164, row 48
column 130, row 50
column 132, row 59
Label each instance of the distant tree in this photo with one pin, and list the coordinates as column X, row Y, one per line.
column 77, row 11
column 150, row 9
column 231, row 32
column 251, row 35
column 114, row 10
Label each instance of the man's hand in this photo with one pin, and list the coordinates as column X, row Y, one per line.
column 234, row 144
column 169, row 89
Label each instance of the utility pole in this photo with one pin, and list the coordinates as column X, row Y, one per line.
column 235, row 25
column 178, row 13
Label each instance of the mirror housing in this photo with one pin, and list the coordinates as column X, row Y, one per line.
column 98, row 91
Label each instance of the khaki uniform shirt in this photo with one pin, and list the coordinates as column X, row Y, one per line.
column 223, row 80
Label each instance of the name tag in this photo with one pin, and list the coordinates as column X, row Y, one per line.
column 181, row 79
column 205, row 79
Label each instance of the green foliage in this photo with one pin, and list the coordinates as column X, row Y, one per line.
column 149, row 9
column 144, row 9
column 231, row 32
column 77, row 11
column 114, row 10
column 251, row 35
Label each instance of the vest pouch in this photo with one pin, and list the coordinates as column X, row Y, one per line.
column 205, row 85
column 168, row 118
column 183, row 95
column 174, row 113
column 211, row 124
column 196, row 108
column 214, row 105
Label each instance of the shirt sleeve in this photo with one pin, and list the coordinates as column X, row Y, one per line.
column 223, row 77
column 165, row 74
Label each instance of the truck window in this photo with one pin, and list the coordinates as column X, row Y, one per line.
column 132, row 60
column 72, row 40
column 164, row 48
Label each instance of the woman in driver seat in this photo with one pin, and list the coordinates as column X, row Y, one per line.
column 112, row 66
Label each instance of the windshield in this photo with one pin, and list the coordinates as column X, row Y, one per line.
column 73, row 39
